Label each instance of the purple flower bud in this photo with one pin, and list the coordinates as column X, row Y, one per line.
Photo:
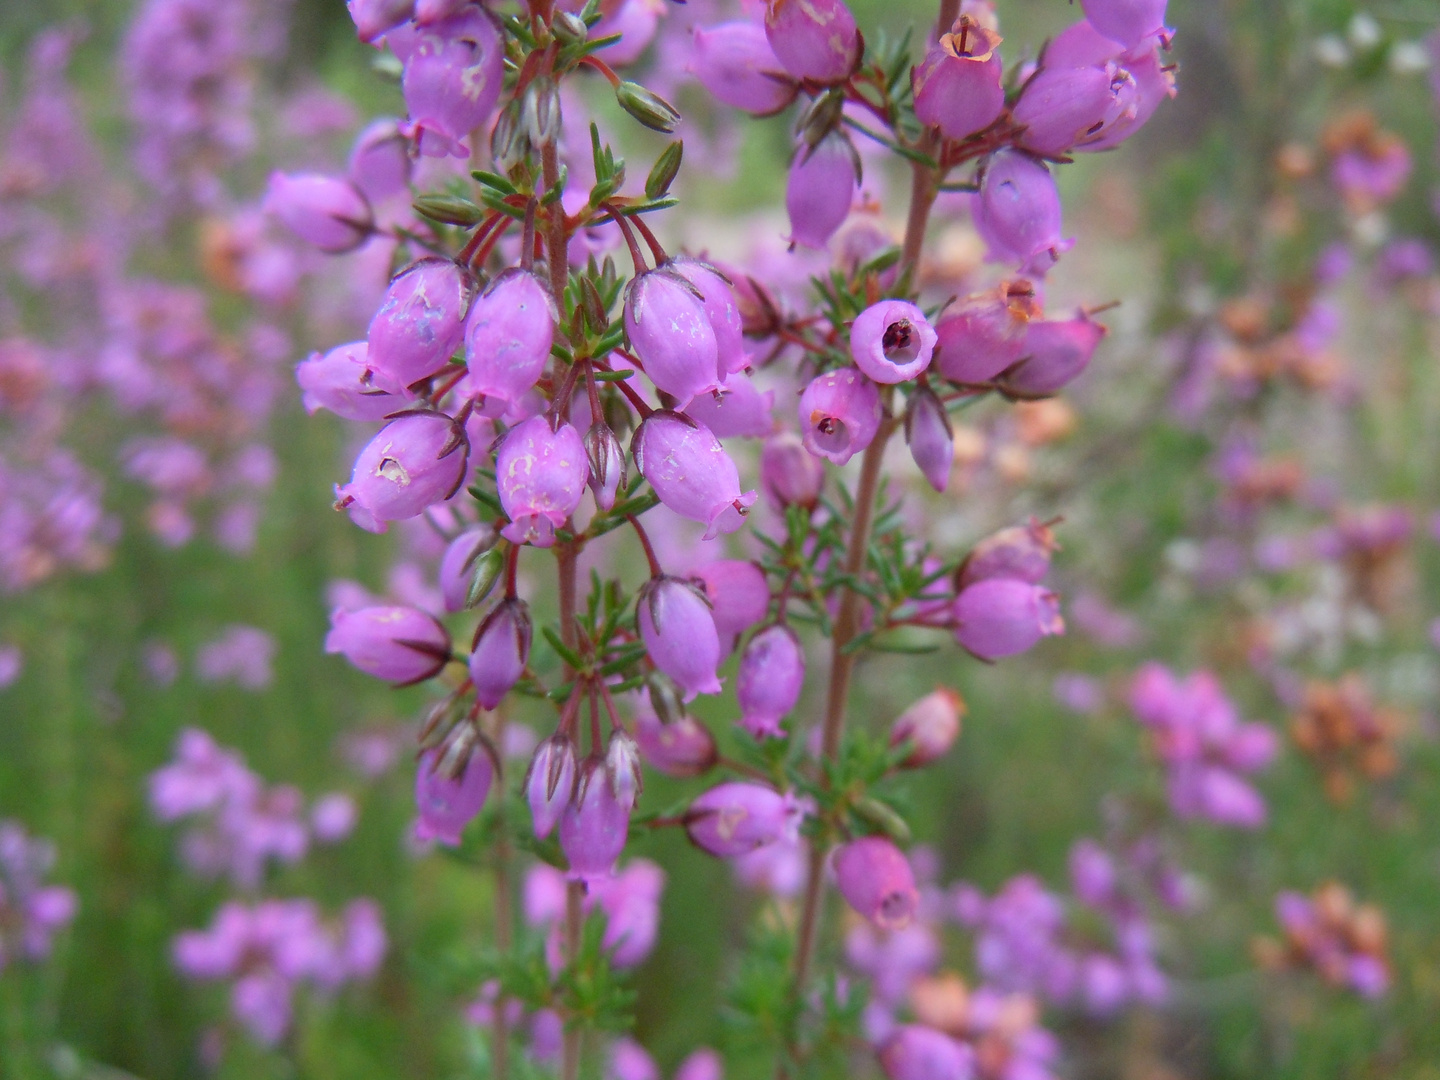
column 790, row 474
column 742, row 411
column 380, row 160
column 622, row 762
column 930, row 437
column 957, row 85
column 820, row 189
column 541, row 475
column 1021, row 552
column 735, row 818
column 839, row 414
column 684, row 747
column 374, row 17
column 679, row 634
column 338, row 381
column 550, row 783
column 768, row 684
column 738, row 594
column 1056, row 354
column 458, row 563
column 324, row 211
column 1129, row 22
column 414, row 462
column 875, row 879
column 1017, row 212
column 1000, row 617
column 1092, row 873
column 722, row 310
column 595, row 824
column 734, row 62
column 892, row 341
column 397, row 644
column 669, row 327
column 453, row 77
column 930, row 727
column 914, row 1052
column 501, row 649
column 421, row 322
column 691, row 472
column 702, row 1064
column 815, row 39
column 606, row 458
column 447, row 803
column 508, row 335
column 1064, row 108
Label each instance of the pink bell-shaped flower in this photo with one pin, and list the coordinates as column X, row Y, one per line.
column 839, row 414
column 771, row 676
column 1021, row 552
column 1000, row 617
column 738, row 593
column 670, row 330
column 691, row 472
column 737, row 817
column 380, row 163
column 815, row 39
column 1065, row 109
column 447, row 804
column 595, row 824
column 326, row 212
column 741, row 411
column 414, row 462
column 398, row 644
column 957, row 84
column 875, row 879
column 735, row 62
column 915, row 1052
column 679, row 634
column 929, row 727
column 1057, row 352
column 508, row 335
column 820, row 189
column 453, row 75
column 500, row 651
column 892, row 341
column 1127, row 21
column 789, row 474
column 420, row 323
column 550, row 783
column 540, row 473
column 722, row 310
column 930, row 437
column 338, row 381
column 1154, row 83
column 985, row 333
column 683, row 748
column 1017, row 212
column 374, row 17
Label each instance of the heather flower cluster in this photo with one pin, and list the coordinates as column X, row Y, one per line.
column 534, row 404
column 237, row 825
column 31, row 911
column 1328, row 933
